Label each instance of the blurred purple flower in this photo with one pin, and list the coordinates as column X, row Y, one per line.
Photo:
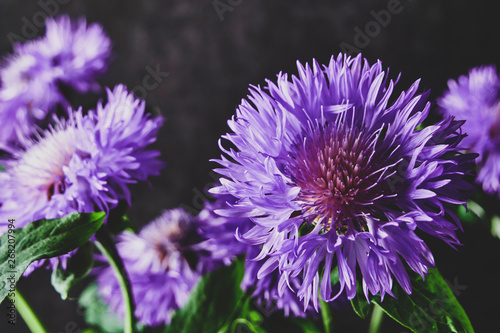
column 164, row 262
column 77, row 53
column 476, row 99
column 328, row 165
column 71, row 53
column 83, row 164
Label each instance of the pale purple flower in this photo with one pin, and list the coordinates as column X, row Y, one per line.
column 70, row 53
column 332, row 171
column 83, row 164
column 164, row 262
column 27, row 94
column 78, row 53
column 476, row 99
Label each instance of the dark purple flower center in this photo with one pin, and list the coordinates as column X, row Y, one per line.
column 334, row 169
column 57, row 187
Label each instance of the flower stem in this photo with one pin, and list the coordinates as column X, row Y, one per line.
column 325, row 315
column 105, row 244
column 27, row 314
column 376, row 319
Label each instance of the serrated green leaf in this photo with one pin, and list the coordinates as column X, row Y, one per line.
column 43, row 239
column 78, row 267
column 97, row 313
column 213, row 303
column 431, row 307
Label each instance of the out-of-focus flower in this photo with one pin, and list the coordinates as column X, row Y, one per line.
column 476, row 99
column 164, row 262
column 70, row 53
column 329, row 165
column 78, row 53
column 82, row 164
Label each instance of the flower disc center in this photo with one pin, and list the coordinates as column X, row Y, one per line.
column 333, row 170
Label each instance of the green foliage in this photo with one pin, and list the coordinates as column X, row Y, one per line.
column 432, row 306
column 215, row 300
column 97, row 313
column 43, row 239
column 78, row 267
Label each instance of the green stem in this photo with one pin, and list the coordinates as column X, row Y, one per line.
column 376, row 319
column 27, row 314
column 105, row 244
column 325, row 314
column 243, row 321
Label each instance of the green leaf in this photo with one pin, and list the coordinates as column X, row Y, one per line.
column 43, row 239
column 213, row 303
column 97, row 313
column 359, row 303
column 495, row 226
column 78, row 267
column 431, row 307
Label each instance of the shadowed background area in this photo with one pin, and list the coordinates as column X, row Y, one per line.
column 211, row 56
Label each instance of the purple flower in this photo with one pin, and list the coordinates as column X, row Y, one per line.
column 78, row 53
column 223, row 233
column 69, row 53
column 269, row 292
column 475, row 99
column 27, row 94
column 164, row 262
column 83, row 164
column 332, row 171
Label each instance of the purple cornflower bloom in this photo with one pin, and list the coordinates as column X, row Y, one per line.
column 27, row 93
column 223, row 233
column 476, row 99
column 332, row 171
column 164, row 262
column 78, row 53
column 267, row 292
column 71, row 53
column 82, row 164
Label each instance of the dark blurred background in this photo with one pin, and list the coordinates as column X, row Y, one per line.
column 212, row 57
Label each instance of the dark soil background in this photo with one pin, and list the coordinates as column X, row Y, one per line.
column 211, row 59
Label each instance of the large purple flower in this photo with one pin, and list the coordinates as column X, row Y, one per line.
column 331, row 170
column 71, row 53
column 476, row 99
column 82, row 164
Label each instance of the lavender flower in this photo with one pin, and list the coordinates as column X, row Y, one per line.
column 83, row 164
column 223, row 234
column 266, row 290
column 28, row 92
column 71, row 53
column 328, row 165
column 164, row 262
column 475, row 98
